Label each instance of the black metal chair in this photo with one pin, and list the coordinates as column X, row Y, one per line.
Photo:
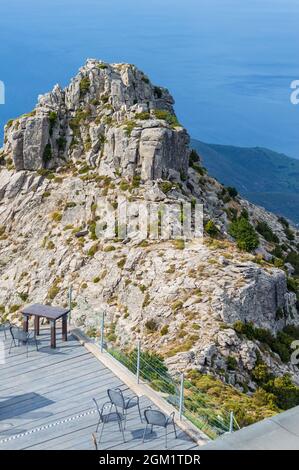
column 5, row 325
column 107, row 416
column 21, row 337
column 157, row 418
column 117, row 399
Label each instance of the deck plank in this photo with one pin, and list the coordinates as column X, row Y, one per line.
column 46, row 401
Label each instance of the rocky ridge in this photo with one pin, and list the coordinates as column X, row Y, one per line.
column 112, row 132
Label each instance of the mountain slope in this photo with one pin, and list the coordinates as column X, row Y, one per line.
column 266, row 178
column 205, row 304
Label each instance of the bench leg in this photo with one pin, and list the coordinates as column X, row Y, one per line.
column 36, row 326
column 64, row 328
column 53, row 334
column 25, row 323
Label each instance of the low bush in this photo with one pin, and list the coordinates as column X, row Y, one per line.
column 165, row 115
column 263, row 229
column 211, row 229
column 279, row 344
column 244, row 234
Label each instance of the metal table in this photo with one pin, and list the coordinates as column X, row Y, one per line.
column 50, row 313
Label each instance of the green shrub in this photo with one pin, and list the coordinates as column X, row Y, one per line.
column 232, row 192
column 23, row 296
column 136, row 181
column 211, row 229
column 84, row 86
column 277, row 252
column 54, row 289
column 129, row 126
column 61, row 144
column 52, row 120
column 292, row 284
column 109, row 248
column 56, row 216
column 179, row 244
column 151, row 325
column 124, row 185
column 158, row 92
column 283, row 221
column 293, row 259
column 9, row 123
column 164, row 330
column 231, row 363
column 93, row 249
column 263, row 229
column 289, row 234
column 121, row 262
column 165, row 186
column 146, row 300
column 143, row 116
column 50, row 245
column 193, row 157
column 14, row 308
column 47, row 155
column 165, row 115
column 244, row 233
column 281, row 344
column 102, row 66
column 285, row 391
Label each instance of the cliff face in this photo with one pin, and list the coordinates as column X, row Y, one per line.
column 112, row 132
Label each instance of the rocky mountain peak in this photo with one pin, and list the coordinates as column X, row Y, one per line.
column 111, row 117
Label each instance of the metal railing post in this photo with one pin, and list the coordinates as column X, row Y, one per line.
column 181, row 409
column 231, row 422
column 70, row 295
column 102, row 332
column 138, row 361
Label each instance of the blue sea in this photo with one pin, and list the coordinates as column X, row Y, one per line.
column 228, row 63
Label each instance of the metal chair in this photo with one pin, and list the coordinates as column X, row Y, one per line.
column 117, row 399
column 107, row 416
column 5, row 326
column 19, row 336
column 157, row 418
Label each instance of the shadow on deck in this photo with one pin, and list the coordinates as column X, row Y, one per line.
column 46, row 401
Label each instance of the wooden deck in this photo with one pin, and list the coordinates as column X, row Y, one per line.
column 46, row 401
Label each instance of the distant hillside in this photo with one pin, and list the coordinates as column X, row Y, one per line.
column 266, row 178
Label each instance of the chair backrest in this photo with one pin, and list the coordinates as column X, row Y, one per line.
column 155, row 418
column 104, row 410
column 116, row 397
column 14, row 331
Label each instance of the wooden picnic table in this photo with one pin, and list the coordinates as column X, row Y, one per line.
column 50, row 313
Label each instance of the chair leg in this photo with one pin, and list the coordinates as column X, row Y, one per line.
column 140, row 415
column 101, row 433
column 99, row 422
column 166, row 437
column 125, row 420
column 144, row 433
column 12, row 341
column 36, row 345
column 152, row 428
column 122, row 430
column 27, row 348
column 175, row 433
column 5, row 336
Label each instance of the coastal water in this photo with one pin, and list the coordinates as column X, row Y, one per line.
column 228, row 63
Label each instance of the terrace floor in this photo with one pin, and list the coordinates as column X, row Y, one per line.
column 46, row 401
